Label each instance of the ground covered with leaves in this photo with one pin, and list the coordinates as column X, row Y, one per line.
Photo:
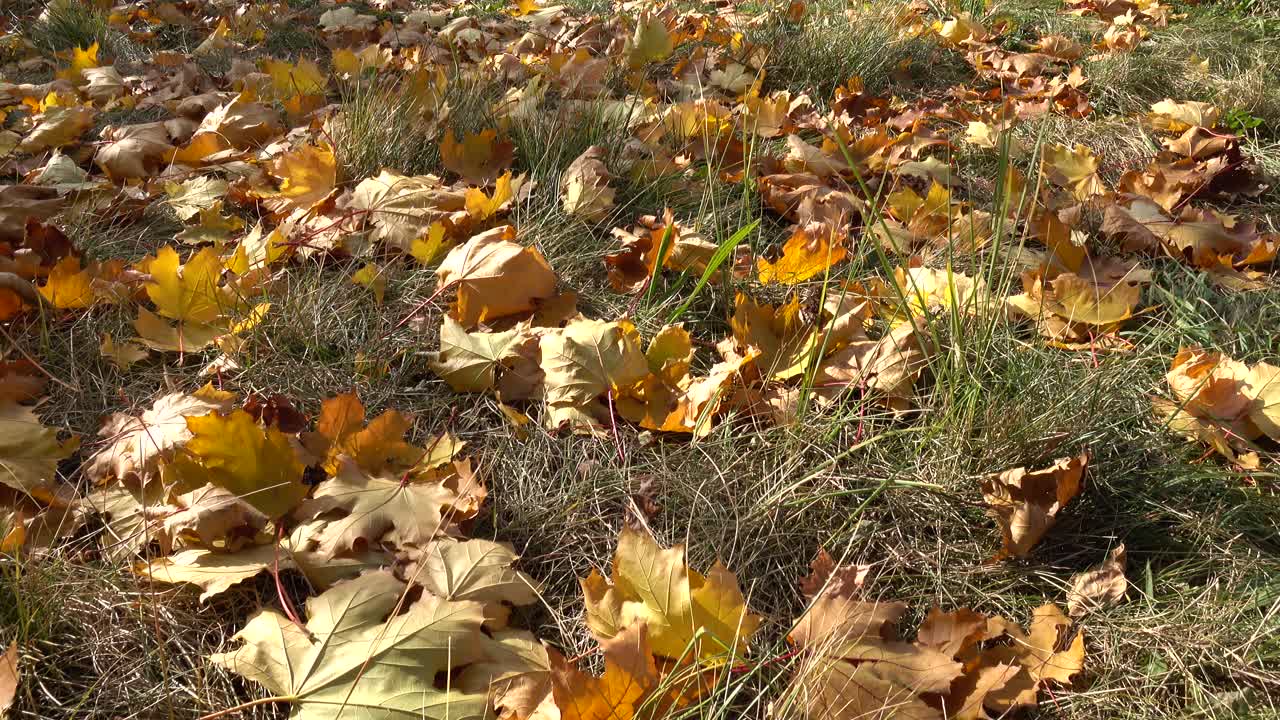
column 398, row 359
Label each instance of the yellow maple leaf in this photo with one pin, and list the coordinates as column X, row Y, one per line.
column 809, row 252
column 689, row 616
column 289, row 79
column 372, row 279
column 523, row 7
column 258, row 466
column 429, row 247
column 1075, row 169
column 201, row 146
column 68, row 287
column 257, row 250
column 482, row 207
column 350, row 63
column 478, row 157
column 495, row 277
column 81, row 59
column 211, row 227
column 307, row 175
column 186, row 292
column 651, row 42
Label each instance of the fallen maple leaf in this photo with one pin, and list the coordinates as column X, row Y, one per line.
column 1077, row 309
column 630, row 674
column 30, row 452
column 372, row 278
column 369, row 509
column 1038, row 654
column 9, row 678
column 825, row 687
column 404, row 208
column 495, row 277
column 376, row 447
column 191, row 197
column 584, row 186
column 58, row 127
column 515, row 673
column 690, row 617
column 187, row 292
column 470, row 362
column 1174, row 116
column 1075, row 170
column 137, row 445
column 1025, row 503
column 1218, row 401
column 475, row 569
column 630, row 268
column 307, row 175
column 240, row 123
column 809, row 252
column 257, row 465
column 215, row 571
column 356, row 652
column 651, row 42
column 478, row 158
column 1100, row 586
column 888, row 367
column 68, row 287
column 20, row 381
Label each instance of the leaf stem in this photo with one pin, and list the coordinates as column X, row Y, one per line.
column 246, row 706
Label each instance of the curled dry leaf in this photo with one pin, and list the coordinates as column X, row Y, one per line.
column 1173, row 116
column 888, row 367
column 516, row 673
column 961, row 664
column 376, row 447
column 1025, row 503
column 826, row 577
column 585, row 360
column 205, row 516
column 584, row 186
column 215, row 571
column 1221, row 402
column 1100, row 586
column 1082, row 308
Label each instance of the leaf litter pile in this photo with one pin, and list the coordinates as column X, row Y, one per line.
column 402, row 613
